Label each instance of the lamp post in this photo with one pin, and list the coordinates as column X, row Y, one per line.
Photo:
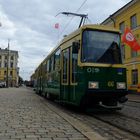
column 7, row 76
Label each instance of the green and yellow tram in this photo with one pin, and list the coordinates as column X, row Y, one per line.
column 85, row 69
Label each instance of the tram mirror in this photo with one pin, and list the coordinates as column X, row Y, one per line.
column 75, row 47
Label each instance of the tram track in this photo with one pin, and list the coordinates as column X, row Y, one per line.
column 133, row 103
column 124, row 123
column 103, row 124
column 119, row 130
column 130, row 117
column 136, row 101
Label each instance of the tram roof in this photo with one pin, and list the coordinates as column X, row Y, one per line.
column 76, row 33
column 88, row 26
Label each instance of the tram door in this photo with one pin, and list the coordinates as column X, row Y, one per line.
column 65, row 75
column 69, row 75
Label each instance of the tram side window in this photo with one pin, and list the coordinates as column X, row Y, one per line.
column 48, row 65
column 65, row 65
column 57, row 60
column 52, row 63
column 45, row 68
column 74, row 67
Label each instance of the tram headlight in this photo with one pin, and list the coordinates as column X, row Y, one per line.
column 121, row 85
column 93, row 85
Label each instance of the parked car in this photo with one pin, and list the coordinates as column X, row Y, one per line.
column 2, row 84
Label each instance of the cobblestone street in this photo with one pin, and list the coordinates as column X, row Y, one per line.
column 23, row 116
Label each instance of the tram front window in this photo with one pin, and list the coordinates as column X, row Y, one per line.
column 101, row 47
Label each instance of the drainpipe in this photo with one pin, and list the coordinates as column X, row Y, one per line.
column 114, row 23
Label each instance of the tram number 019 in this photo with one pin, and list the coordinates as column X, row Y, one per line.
column 93, row 70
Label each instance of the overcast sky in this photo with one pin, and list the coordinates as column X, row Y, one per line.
column 29, row 24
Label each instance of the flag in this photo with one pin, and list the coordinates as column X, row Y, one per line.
column 129, row 39
column 56, row 26
column 136, row 46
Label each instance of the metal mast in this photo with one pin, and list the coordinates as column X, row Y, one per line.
column 83, row 16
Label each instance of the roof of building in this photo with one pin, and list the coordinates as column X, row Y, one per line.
column 5, row 51
column 120, row 10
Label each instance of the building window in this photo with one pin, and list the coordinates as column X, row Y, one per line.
column 123, row 51
column 11, row 73
column 133, row 21
column 5, row 57
column 5, row 64
column 11, row 64
column 135, row 77
column 122, row 27
column 0, row 56
column 0, row 64
column 12, row 57
column 133, row 53
column 5, row 73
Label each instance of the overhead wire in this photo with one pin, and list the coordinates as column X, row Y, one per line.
column 73, row 17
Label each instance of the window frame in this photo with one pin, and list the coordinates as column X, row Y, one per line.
column 122, row 26
column 134, row 78
column 133, row 21
column 65, row 70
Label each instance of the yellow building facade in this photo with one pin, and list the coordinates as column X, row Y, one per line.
column 9, row 71
column 129, row 16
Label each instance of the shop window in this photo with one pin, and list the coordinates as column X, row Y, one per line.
column 133, row 21
column 135, row 77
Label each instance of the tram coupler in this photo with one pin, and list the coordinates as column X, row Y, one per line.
column 111, row 107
